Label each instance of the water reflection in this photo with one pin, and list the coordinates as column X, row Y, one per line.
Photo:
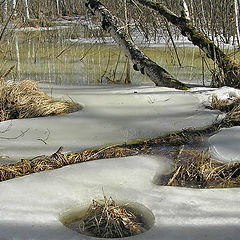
column 61, row 61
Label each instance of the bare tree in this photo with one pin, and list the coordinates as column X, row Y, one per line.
column 230, row 71
column 26, row 9
column 237, row 20
column 140, row 62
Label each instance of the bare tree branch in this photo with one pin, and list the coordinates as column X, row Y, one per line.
column 230, row 70
column 20, row 135
column 141, row 62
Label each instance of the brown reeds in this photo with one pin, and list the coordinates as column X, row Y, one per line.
column 107, row 219
column 199, row 170
column 25, row 100
column 58, row 160
column 224, row 105
column 192, row 168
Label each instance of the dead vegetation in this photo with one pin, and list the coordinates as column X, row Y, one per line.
column 198, row 169
column 192, row 168
column 107, row 219
column 58, row 160
column 25, row 100
column 185, row 136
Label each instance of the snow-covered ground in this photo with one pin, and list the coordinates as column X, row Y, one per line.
column 225, row 145
column 110, row 115
column 31, row 206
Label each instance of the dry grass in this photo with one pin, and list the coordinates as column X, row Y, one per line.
column 58, row 160
column 192, row 168
column 224, row 105
column 25, row 100
column 106, row 219
column 198, row 169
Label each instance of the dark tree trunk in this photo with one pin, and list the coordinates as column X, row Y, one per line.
column 230, row 71
column 140, row 62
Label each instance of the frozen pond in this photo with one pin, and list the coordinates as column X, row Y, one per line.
column 32, row 205
column 110, row 115
column 67, row 68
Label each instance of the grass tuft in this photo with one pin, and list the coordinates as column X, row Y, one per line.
column 25, row 100
column 106, row 219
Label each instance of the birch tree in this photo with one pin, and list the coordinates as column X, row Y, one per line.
column 229, row 70
column 140, row 61
column 5, row 10
column 26, row 9
column 14, row 3
column 236, row 4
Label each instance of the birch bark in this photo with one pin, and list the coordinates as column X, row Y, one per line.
column 230, row 71
column 140, row 62
column 237, row 21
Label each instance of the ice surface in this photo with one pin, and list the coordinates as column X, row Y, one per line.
column 205, row 94
column 110, row 115
column 31, row 205
column 225, row 145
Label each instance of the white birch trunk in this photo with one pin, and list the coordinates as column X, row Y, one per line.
column 57, row 6
column 18, row 57
column 184, row 10
column 237, row 20
column 26, row 9
column 14, row 8
column 5, row 9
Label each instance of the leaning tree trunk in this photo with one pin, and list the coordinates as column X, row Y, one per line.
column 229, row 69
column 141, row 62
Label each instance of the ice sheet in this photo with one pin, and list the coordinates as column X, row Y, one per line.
column 225, row 145
column 31, row 205
column 110, row 115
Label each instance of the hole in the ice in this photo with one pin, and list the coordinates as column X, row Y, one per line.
column 117, row 220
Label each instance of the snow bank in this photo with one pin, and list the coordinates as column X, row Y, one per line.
column 31, row 205
column 110, row 115
column 205, row 94
column 225, row 145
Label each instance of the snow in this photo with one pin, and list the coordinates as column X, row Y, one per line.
column 32, row 205
column 225, row 145
column 205, row 94
column 111, row 114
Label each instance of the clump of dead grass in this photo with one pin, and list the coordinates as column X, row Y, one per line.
column 59, row 159
column 225, row 105
column 25, row 100
column 107, row 219
column 198, row 169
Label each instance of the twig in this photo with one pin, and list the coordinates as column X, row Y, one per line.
column 20, row 135
column 44, row 140
column 8, row 127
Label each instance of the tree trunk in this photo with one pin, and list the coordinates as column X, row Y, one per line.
column 141, row 62
column 5, row 10
column 14, row 8
column 57, row 6
column 237, row 21
column 230, row 71
column 26, row 9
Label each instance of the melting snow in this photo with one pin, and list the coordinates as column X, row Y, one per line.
column 110, row 115
column 31, row 205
